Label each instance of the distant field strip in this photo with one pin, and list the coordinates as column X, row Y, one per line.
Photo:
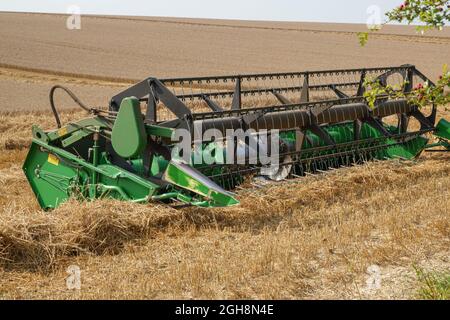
column 232, row 24
column 43, row 75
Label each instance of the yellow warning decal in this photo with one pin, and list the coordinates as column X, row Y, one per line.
column 53, row 159
column 62, row 131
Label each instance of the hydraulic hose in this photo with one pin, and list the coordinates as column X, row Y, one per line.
column 72, row 95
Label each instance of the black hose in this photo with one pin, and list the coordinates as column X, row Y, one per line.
column 72, row 95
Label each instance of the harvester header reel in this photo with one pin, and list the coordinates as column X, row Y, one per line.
column 193, row 140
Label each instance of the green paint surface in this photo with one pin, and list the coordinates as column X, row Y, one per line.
column 129, row 137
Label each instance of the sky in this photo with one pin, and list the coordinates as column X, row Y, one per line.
column 344, row 11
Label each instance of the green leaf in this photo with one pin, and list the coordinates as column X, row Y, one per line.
column 363, row 38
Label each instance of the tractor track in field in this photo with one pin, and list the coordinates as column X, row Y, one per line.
column 378, row 35
column 36, row 75
column 15, row 72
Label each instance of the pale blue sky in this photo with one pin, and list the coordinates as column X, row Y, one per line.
column 351, row 11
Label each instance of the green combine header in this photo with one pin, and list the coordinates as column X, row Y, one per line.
column 191, row 141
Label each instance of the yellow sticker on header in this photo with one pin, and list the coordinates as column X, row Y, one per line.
column 53, row 159
column 62, row 131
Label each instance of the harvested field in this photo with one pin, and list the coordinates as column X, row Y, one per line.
column 206, row 47
column 187, row 47
column 310, row 238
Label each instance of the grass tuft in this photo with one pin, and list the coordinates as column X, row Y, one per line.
column 433, row 285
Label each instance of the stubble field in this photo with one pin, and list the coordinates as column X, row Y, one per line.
column 310, row 238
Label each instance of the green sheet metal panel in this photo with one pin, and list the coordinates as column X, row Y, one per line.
column 129, row 136
column 443, row 129
column 186, row 177
column 50, row 178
